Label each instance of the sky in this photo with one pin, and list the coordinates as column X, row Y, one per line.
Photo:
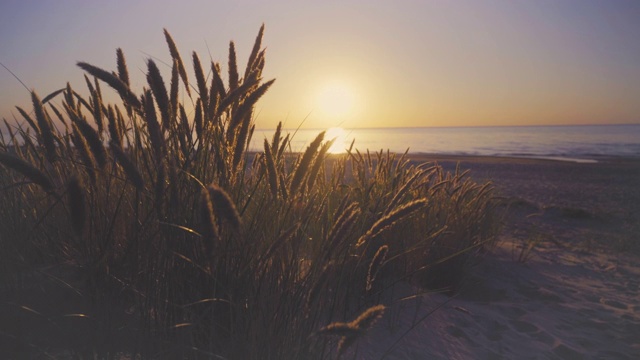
column 355, row 64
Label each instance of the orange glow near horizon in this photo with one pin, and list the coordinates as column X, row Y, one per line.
column 336, row 101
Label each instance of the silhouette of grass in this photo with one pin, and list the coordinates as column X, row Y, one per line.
column 215, row 251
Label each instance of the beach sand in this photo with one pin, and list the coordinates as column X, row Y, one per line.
column 576, row 295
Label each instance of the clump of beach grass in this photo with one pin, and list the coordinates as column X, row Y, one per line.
column 158, row 203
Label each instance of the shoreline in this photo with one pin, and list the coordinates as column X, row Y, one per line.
column 587, row 204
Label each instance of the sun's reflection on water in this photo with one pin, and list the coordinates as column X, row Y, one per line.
column 340, row 143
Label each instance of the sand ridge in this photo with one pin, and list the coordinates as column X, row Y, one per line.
column 575, row 297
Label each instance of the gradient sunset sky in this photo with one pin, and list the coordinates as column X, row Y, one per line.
column 356, row 63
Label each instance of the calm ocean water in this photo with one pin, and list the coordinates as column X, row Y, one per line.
column 579, row 143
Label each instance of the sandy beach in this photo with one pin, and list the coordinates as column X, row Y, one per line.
column 574, row 296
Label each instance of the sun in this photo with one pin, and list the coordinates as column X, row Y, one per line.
column 335, row 101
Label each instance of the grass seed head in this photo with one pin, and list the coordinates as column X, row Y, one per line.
column 46, row 131
column 114, row 81
column 173, row 49
column 123, row 73
column 375, row 265
column 224, row 207
column 29, row 171
column 156, row 83
column 366, row 320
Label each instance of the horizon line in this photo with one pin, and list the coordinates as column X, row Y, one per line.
column 448, row 127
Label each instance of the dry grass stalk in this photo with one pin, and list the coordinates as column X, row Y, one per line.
column 210, row 234
column 80, row 100
column 127, row 165
column 76, row 198
column 84, row 151
column 174, row 88
column 46, row 131
column 375, row 265
column 283, row 187
column 259, row 63
column 305, row 162
column 155, row 133
column 281, row 240
column 113, row 81
column 275, row 140
column 366, row 320
column 254, row 52
column 115, row 132
column 29, row 171
column 272, row 175
column 390, row 219
column 160, row 187
column 344, row 343
column 60, row 117
column 173, row 49
column 233, row 67
column 249, row 102
column 404, row 189
column 350, row 332
column 283, row 146
column 217, row 80
column 156, row 83
column 224, row 207
column 98, row 113
column 214, row 98
column 29, row 120
column 47, row 98
column 92, row 138
column 233, row 97
column 198, row 119
column 340, row 329
column 200, row 80
column 318, row 163
column 241, row 138
column 89, row 86
column 123, row 72
column 68, row 96
column 343, row 225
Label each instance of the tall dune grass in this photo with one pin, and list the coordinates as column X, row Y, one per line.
column 156, row 201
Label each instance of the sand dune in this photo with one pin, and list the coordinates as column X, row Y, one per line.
column 561, row 304
column 575, row 297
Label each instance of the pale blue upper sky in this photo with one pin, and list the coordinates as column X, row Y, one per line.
column 398, row 63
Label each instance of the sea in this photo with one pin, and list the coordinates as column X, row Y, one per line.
column 584, row 143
